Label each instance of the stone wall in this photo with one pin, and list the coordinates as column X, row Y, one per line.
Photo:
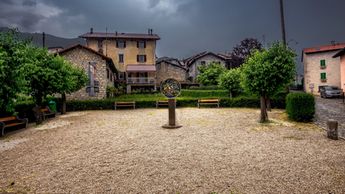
column 81, row 58
column 166, row 70
column 193, row 68
column 312, row 71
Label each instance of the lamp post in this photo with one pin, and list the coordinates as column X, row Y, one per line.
column 282, row 21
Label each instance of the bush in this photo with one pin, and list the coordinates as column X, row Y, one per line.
column 300, row 106
column 205, row 88
column 204, row 93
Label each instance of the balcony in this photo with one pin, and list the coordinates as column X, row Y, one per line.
column 141, row 80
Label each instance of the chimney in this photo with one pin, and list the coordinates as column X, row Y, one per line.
column 148, row 31
column 91, row 30
column 151, row 32
column 116, row 33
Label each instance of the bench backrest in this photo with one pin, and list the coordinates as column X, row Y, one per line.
column 4, row 119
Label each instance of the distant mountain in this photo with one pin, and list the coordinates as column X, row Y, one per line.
column 51, row 41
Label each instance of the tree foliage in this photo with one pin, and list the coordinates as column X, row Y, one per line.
column 268, row 71
column 231, row 80
column 25, row 69
column 13, row 53
column 243, row 50
column 209, row 74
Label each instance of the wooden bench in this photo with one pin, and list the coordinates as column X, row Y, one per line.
column 47, row 113
column 124, row 104
column 208, row 102
column 7, row 122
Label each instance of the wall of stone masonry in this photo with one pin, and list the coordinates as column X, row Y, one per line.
column 81, row 58
column 166, row 71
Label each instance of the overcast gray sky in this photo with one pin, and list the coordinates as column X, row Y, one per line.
column 185, row 26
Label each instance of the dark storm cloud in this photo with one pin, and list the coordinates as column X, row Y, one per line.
column 185, row 26
column 29, row 3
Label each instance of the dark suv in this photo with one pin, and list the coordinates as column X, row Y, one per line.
column 330, row 92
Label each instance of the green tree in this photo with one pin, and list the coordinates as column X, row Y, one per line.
column 47, row 74
column 231, row 80
column 209, row 74
column 13, row 55
column 267, row 72
column 70, row 78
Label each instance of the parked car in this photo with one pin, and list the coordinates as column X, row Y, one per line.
column 330, row 92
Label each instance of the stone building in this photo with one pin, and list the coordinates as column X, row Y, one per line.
column 341, row 55
column 99, row 68
column 320, row 68
column 204, row 58
column 170, row 68
column 134, row 55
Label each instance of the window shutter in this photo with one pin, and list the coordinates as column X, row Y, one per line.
column 117, row 44
column 137, row 44
column 124, row 43
column 144, row 58
column 323, row 63
column 323, row 76
column 144, row 44
column 137, row 58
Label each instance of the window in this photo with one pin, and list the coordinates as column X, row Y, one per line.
column 107, row 73
column 141, row 44
column 141, row 58
column 93, row 86
column 323, row 76
column 323, row 64
column 100, row 46
column 121, row 75
column 202, row 62
column 120, row 44
column 120, row 58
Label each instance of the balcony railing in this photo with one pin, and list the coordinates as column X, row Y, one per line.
column 140, row 80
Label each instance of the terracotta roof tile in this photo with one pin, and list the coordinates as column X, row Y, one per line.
column 120, row 35
column 324, row 48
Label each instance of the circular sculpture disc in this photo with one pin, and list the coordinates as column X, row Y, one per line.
column 171, row 88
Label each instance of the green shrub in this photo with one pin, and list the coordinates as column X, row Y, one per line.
column 205, row 88
column 300, row 106
column 204, row 93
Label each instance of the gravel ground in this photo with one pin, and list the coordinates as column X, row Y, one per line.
column 330, row 109
column 127, row 151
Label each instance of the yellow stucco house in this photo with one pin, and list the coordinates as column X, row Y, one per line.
column 134, row 55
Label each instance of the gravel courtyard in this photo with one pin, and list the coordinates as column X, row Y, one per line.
column 127, row 151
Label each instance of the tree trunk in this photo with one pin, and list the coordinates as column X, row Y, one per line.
column 37, row 109
column 268, row 103
column 63, row 104
column 230, row 94
column 264, row 116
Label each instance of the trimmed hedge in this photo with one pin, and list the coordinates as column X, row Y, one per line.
column 205, row 93
column 300, row 106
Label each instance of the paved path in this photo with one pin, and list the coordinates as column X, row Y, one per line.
column 330, row 109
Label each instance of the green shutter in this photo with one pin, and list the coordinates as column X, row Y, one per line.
column 323, row 76
column 323, row 63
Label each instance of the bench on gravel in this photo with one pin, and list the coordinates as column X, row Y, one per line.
column 12, row 121
column 124, row 104
column 213, row 101
column 47, row 113
column 164, row 103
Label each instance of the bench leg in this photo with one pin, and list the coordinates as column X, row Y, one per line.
column 2, row 131
column 198, row 105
